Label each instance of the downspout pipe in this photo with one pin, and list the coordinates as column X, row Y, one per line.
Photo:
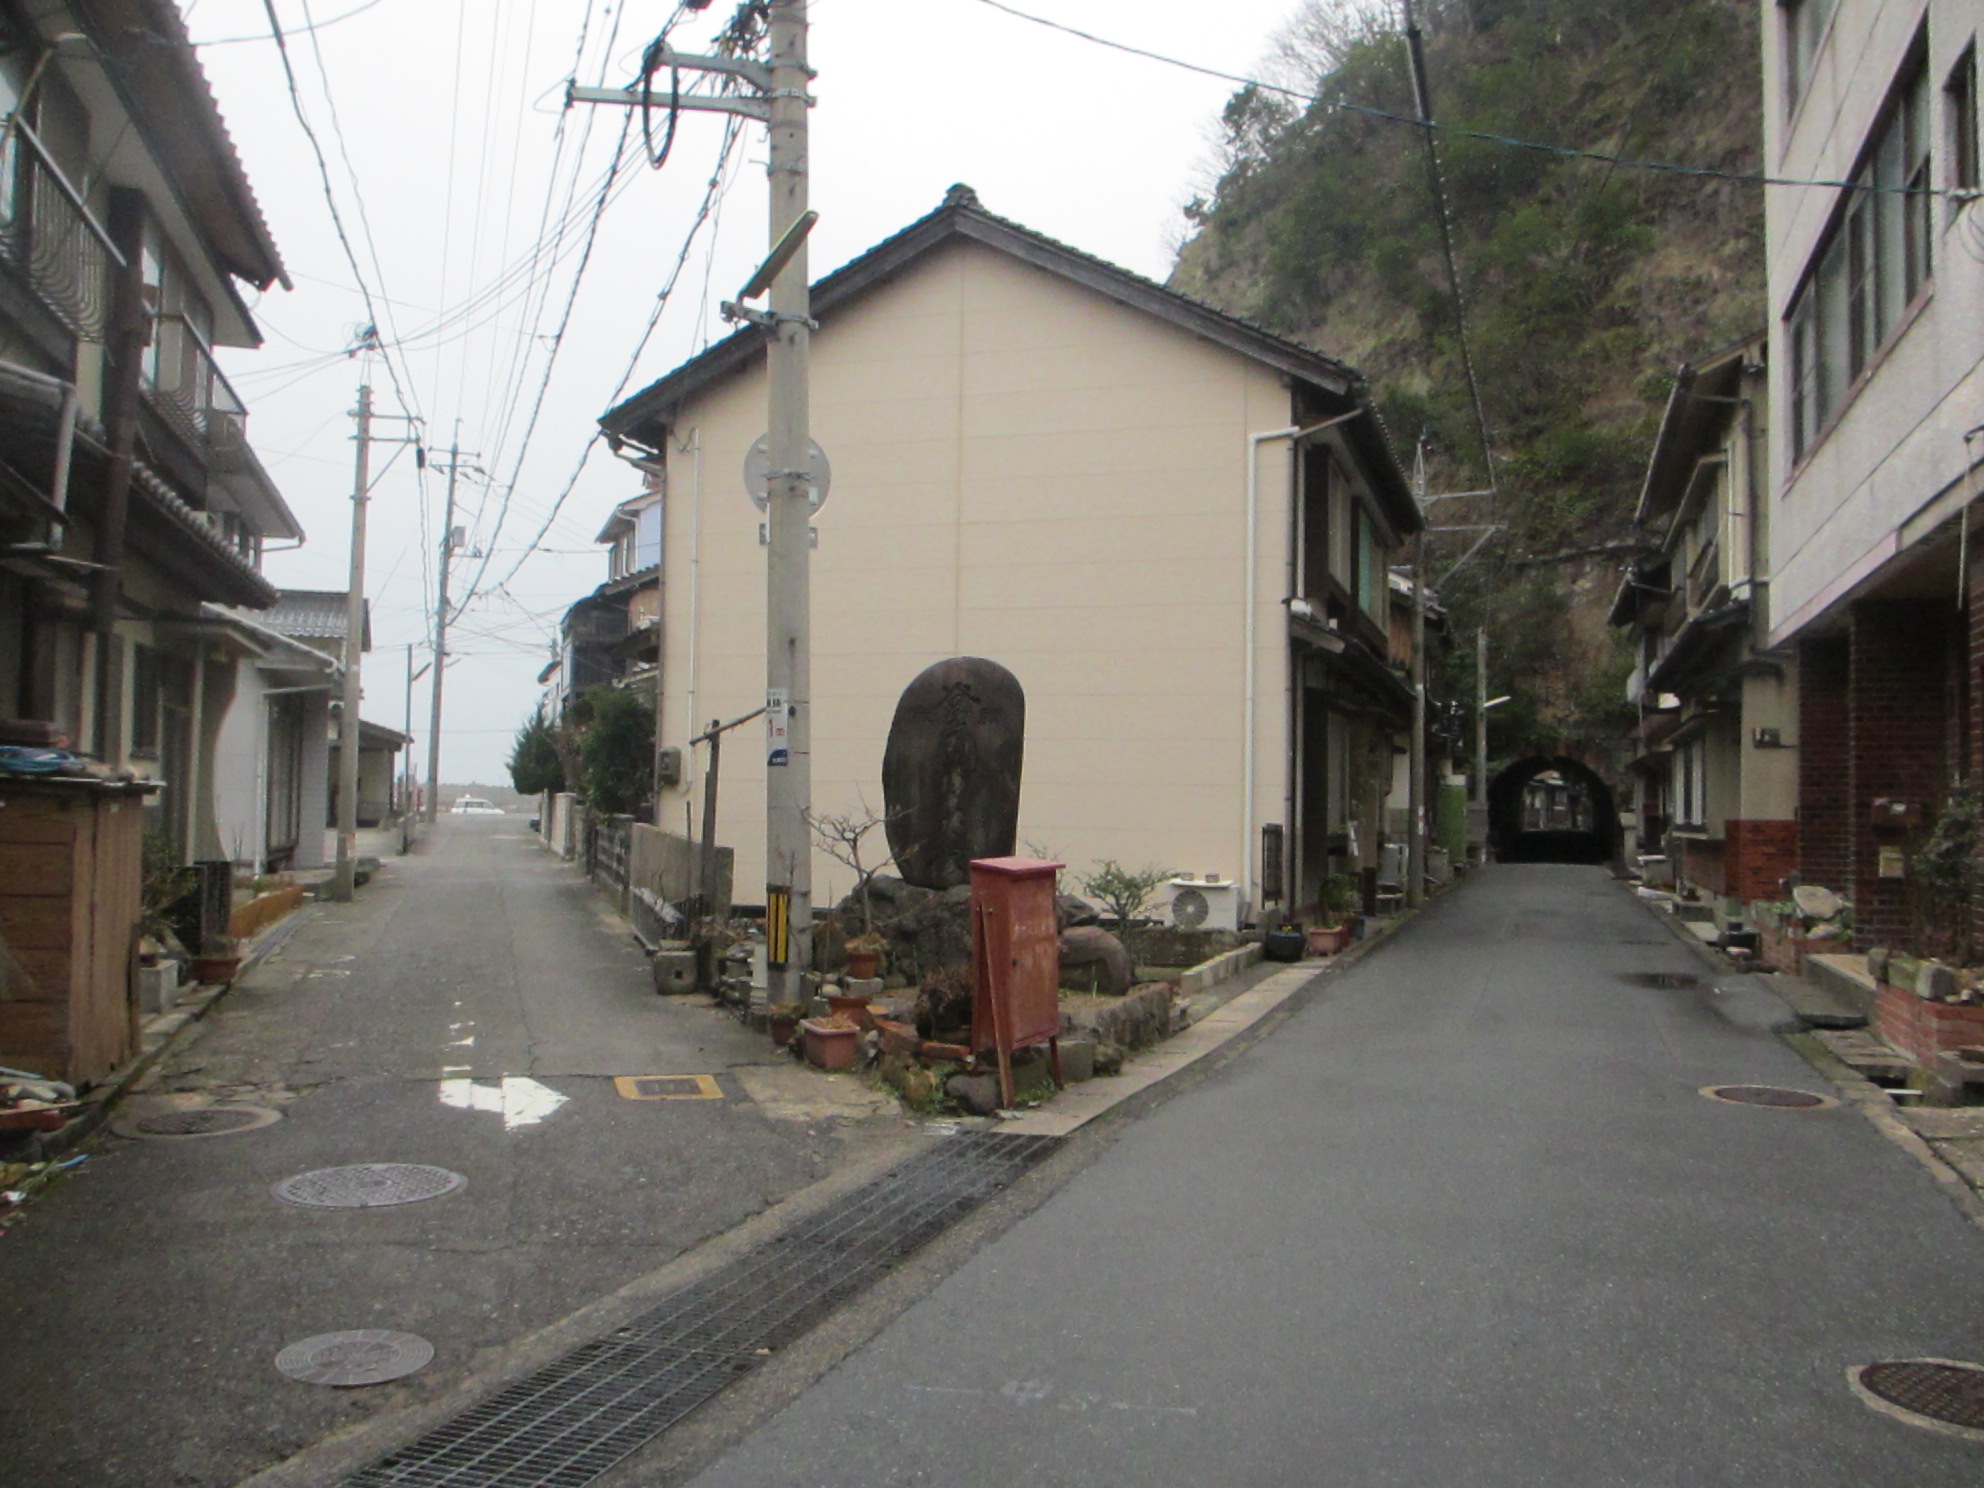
column 1296, row 433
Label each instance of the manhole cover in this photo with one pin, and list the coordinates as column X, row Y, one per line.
column 364, row 1356
column 367, row 1185
column 1662, row 980
column 204, row 1121
column 1768, row 1095
column 1939, row 1393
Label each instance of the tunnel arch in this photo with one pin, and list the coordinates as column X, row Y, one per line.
column 1515, row 833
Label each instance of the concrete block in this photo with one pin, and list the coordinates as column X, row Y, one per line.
column 1077, row 1060
column 869, row 988
column 158, row 988
column 674, row 968
column 1935, row 982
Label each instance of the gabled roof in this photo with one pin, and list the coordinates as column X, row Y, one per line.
column 150, row 60
column 643, row 418
column 1698, row 408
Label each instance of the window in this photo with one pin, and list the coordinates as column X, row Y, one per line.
column 1804, row 22
column 1960, row 114
column 647, row 536
column 1691, row 770
column 1872, row 263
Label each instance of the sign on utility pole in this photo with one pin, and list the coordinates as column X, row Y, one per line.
column 781, row 104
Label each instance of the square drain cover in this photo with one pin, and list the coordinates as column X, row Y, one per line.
column 668, row 1087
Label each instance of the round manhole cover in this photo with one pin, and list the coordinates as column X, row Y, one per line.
column 363, row 1356
column 1776, row 1096
column 367, row 1185
column 202, row 1121
column 1939, row 1393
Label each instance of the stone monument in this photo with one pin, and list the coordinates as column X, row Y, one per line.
column 951, row 771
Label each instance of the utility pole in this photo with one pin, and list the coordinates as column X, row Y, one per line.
column 1415, row 852
column 781, row 104
column 788, row 654
column 441, row 635
column 1481, row 717
column 354, row 643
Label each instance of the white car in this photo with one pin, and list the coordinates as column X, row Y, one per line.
column 476, row 806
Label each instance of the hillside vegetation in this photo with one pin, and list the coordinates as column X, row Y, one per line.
column 1585, row 283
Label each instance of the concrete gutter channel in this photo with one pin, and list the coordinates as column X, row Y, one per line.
column 1235, row 1006
column 1813, row 1008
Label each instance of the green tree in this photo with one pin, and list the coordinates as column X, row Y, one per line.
column 616, row 750
column 534, row 763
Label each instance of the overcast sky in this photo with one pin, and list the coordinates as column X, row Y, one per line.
column 450, row 152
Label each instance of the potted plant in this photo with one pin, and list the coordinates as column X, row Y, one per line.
column 1331, row 932
column 218, row 966
column 864, row 954
column 784, row 1018
column 830, row 1043
column 1283, row 943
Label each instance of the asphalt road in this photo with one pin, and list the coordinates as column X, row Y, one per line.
column 1464, row 1218
column 469, row 1010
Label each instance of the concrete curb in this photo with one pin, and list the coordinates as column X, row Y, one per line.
column 1855, row 1089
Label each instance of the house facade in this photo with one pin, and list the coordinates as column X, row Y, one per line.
column 1173, row 527
column 1877, row 351
column 1717, row 771
column 131, row 504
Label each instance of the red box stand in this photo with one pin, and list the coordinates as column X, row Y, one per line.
column 1016, row 962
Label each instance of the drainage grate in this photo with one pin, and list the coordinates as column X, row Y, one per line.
column 363, row 1356
column 572, row 1420
column 367, row 1185
column 1941, row 1391
column 206, row 1121
column 1661, row 981
column 1767, row 1095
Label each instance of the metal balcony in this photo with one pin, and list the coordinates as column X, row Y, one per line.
column 190, row 392
column 49, row 238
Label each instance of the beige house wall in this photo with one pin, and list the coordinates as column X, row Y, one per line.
column 1027, row 472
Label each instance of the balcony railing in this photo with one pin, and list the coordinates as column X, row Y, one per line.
column 192, row 394
column 49, row 237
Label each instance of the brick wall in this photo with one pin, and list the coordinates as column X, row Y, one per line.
column 1898, row 734
column 1825, row 853
column 1922, row 1029
column 1760, row 855
column 1701, row 863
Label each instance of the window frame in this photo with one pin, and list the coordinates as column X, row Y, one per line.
column 1871, row 266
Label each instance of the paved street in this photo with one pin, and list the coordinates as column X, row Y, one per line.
column 1465, row 1218
column 469, row 1010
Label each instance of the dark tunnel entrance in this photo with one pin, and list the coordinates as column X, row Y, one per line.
column 1551, row 810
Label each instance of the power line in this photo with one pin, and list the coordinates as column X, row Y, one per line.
column 1958, row 194
column 712, row 194
column 330, row 198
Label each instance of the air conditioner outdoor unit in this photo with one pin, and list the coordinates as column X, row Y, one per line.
column 1209, row 903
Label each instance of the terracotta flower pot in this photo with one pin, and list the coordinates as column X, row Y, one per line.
column 1327, row 940
column 854, row 1009
column 827, row 1047
column 863, row 964
column 783, row 1030
column 215, row 968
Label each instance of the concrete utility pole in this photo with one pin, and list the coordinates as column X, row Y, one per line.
column 1481, row 717
column 788, row 653
column 781, row 104
column 441, row 637
column 1415, row 852
column 354, row 643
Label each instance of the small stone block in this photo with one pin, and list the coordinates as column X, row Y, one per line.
column 1877, row 963
column 865, row 988
column 1936, row 982
column 1077, row 1060
column 674, row 971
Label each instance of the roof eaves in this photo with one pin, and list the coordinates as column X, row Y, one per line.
column 961, row 216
